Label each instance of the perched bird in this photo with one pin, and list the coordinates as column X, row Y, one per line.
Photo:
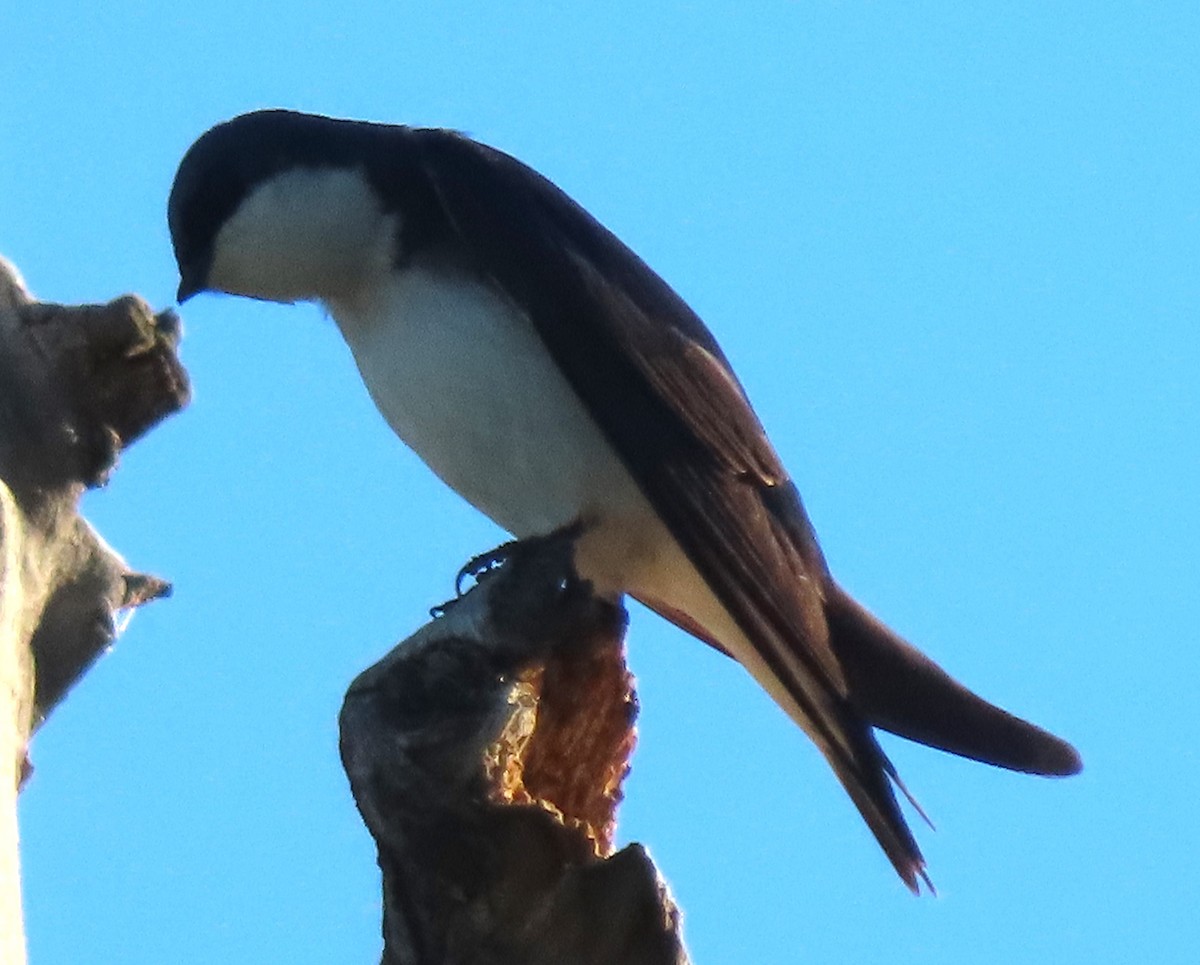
column 550, row 377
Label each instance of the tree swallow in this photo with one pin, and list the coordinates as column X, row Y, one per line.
column 551, row 378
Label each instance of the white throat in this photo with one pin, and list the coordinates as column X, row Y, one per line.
column 304, row 234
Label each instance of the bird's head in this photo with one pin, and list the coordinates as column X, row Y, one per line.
column 278, row 205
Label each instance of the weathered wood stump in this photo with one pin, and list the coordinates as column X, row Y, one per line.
column 486, row 754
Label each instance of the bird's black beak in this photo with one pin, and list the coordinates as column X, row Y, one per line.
column 191, row 282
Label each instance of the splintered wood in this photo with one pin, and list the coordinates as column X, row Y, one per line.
column 567, row 744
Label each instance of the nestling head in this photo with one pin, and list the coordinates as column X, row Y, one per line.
column 270, row 206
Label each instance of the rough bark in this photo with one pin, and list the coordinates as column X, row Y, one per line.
column 77, row 385
column 485, row 754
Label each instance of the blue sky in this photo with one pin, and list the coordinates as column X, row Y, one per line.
column 953, row 254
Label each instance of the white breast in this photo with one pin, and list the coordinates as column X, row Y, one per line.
column 464, row 380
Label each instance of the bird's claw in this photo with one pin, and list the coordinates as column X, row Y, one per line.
column 480, row 566
column 476, row 568
column 441, row 609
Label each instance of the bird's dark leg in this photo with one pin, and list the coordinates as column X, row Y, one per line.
column 476, row 568
column 479, row 567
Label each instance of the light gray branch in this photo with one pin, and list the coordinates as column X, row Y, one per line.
column 77, row 384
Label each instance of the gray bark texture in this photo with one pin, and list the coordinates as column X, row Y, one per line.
column 486, row 754
column 77, row 385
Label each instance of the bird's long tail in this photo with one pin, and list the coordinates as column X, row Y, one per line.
column 898, row 688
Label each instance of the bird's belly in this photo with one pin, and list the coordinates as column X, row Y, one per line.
column 463, row 378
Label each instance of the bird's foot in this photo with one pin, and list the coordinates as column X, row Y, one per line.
column 477, row 568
